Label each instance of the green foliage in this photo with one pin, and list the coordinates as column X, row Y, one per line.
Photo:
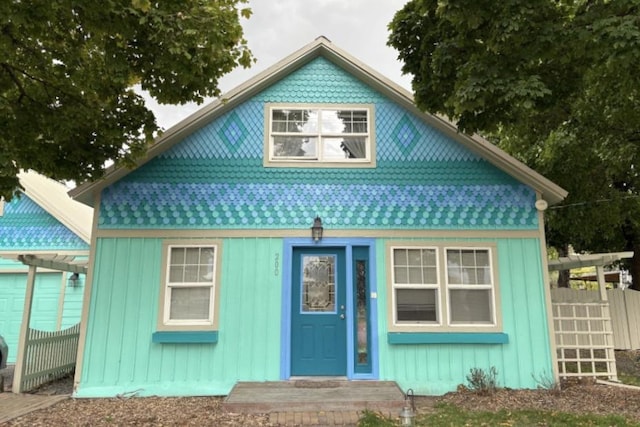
column 448, row 415
column 67, row 68
column 553, row 83
column 483, row 382
column 445, row 415
column 547, row 382
column 374, row 419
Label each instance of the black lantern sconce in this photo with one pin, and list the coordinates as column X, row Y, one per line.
column 316, row 230
column 74, row 280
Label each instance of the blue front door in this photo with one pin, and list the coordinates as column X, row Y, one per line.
column 318, row 325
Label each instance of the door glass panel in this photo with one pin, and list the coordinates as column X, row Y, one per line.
column 318, row 284
column 361, row 309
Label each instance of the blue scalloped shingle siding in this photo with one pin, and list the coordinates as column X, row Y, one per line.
column 26, row 226
column 215, row 178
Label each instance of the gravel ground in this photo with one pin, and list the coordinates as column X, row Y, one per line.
column 575, row 397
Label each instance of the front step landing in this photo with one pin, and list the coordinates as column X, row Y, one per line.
column 314, row 395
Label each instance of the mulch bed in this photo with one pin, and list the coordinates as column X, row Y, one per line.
column 576, row 396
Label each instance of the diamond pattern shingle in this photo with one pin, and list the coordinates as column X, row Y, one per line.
column 25, row 225
column 215, row 178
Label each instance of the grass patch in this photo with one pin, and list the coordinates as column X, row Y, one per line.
column 450, row 415
column 629, row 379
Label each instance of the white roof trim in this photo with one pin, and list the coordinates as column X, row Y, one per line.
column 323, row 47
column 52, row 196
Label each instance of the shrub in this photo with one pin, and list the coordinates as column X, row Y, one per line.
column 483, row 382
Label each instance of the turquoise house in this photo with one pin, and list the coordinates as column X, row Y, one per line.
column 43, row 222
column 313, row 222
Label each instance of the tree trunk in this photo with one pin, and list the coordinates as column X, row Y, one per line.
column 635, row 267
column 563, row 275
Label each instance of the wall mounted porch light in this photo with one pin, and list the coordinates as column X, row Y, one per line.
column 74, row 280
column 316, row 230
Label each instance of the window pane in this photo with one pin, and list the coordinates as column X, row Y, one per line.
column 429, row 257
column 484, row 275
column 471, row 306
column 294, row 121
column 176, row 274
column 468, row 258
column 318, row 284
column 415, row 275
column 401, row 275
column 344, row 121
column 334, row 121
column 414, row 257
column 468, row 267
column 400, row 257
column 190, row 303
column 293, row 146
column 333, row 149
column 192, row 256
column 416, row 305
column 191, row 273
column 455, row 274
column 482, row 258
column 430, row 275
column 177, row 256
column 453, row 257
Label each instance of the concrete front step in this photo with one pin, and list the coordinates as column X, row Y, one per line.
column 314, row 395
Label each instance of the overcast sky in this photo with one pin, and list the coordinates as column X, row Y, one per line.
column 278, row 28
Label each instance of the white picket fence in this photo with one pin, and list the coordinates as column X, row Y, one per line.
column 49, row 356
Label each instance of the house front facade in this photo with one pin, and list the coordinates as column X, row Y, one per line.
column 205, row 271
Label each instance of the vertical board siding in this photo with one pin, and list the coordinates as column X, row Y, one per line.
column 435, row 369
column 44, row 315
column 121, row 358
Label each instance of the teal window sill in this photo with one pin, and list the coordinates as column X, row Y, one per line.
column 447, row 338
column 186, row 337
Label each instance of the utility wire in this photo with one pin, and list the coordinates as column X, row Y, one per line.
column 593, row 202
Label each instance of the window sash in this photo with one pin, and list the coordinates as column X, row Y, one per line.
column 190, row 267
column 320, row 134
column 469, row 273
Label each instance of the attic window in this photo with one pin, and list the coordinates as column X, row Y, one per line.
column 312, row 135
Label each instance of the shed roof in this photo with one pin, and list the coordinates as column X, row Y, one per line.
column 549, row 191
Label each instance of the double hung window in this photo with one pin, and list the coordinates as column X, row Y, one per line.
column 338, row 134
column 448, row 288
column 189, row 286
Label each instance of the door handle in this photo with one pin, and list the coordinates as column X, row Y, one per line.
column 342, row 316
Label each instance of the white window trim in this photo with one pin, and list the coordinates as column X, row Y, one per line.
column 368, row 162
column 163, row 321
column 444, row 313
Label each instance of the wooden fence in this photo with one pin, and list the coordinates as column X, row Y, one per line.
column 49, row 356
column 624, row 309
column 625, row 317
